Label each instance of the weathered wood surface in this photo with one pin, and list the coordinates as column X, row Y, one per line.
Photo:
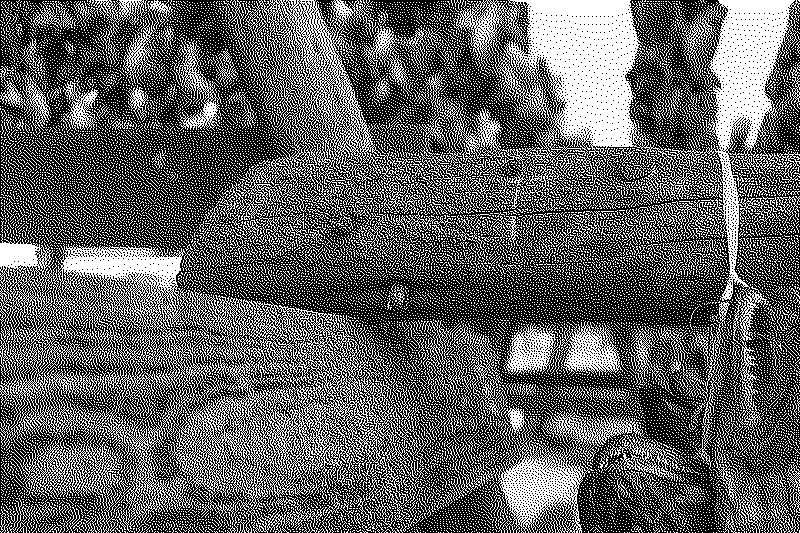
column 294, row 77
column 604, row 233
column 228, row 409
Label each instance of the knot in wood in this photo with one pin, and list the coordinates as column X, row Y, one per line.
column 341, row 225
column 398, row 297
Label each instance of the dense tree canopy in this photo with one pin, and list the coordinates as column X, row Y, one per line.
column 457, row 67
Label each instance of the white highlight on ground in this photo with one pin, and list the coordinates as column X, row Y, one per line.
column 537, row 483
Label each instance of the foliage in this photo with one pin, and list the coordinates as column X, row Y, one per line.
column 118, row 64
column 780, row 130
column 457, row 67
column 674, row 89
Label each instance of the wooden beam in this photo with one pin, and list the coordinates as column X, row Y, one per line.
column 295, row 80
column 140, row 188
column 123, row 188
column 601, row 234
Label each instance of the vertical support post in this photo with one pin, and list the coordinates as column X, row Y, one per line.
column 502, row 339
column 631, row 363
column 298, row 88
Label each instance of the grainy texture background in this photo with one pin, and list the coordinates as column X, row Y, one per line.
column 489, row 232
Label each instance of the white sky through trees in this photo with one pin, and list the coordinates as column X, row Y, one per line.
column 591, row 46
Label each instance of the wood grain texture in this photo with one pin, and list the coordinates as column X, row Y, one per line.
column 604, row 233
column 233, row 410
column 295, row 79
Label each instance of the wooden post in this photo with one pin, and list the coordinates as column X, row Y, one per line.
column 50, row 257
column 606, row 234
column 298, row 88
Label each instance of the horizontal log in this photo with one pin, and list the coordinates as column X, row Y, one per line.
column 140, row 188
column 601, row 234
column 124, row 188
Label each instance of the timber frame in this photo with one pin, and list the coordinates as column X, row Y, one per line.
column 154, row 188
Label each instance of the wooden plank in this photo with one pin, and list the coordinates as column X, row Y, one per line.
column 139, row 188
column 124, row 188
column 601, row 234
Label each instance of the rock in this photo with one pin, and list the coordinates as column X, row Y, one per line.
column 61, row 471
column 68, row 453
